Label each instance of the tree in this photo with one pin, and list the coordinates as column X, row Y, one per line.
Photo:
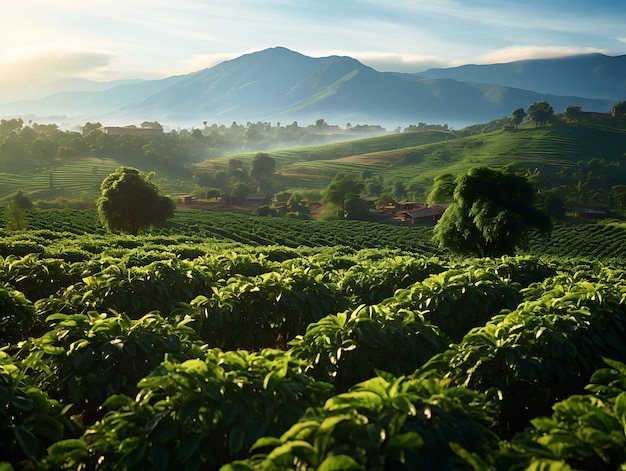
column 619, row 109
column 443, row 189
column 15, row 217
column 518, row 116
column 540, row 112
column 131, row 203
column 491, row 214
column 263, row 167
column 342, row 197
column 572, row 113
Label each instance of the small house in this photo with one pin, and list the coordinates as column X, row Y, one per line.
column 424, row 215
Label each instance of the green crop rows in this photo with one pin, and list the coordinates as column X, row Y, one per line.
column 229, row 342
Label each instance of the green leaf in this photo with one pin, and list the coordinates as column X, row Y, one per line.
column 339, row 463
column 548, row 465
column 406, row 440
column 297, row 448
column 620, row 409
column 356, row 399
column 235, row 466
column 27, row 441
column 263, row 442
column 236, row 438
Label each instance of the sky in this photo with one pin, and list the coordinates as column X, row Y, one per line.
column 46, row 40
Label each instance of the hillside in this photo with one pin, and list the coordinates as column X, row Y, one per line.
column 557, row 155
column 418, row 157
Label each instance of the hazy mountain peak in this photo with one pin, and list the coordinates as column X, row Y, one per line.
column 280, row 84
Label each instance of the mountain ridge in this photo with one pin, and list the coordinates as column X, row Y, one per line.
column 281, row 84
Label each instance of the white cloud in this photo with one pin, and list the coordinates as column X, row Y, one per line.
column 622, row 40
column 516, row 53
column 392, row 62
column 48, row 65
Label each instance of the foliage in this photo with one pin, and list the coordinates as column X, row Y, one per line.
column 17, row 315
column 518, row 116
column 88, row 357
column 349, row 347
column 197, row 414
column 344, row 194
column 369, row 282
column 584, row 431
column 30, row 420
column 443, row 189
column 491, row 214
column 15, row 217
column 264, row 311
column 546, row 348
column 263, row 167
column 130, row 203
column 458, row 300
column 572, row 113
column 383, row 423
column 620, row 108
column 361, row 311
column 540, row 112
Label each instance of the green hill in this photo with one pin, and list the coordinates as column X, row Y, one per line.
column 417, row 157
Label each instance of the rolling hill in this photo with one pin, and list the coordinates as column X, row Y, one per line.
column 416, row 158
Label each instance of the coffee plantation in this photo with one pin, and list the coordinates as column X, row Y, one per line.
column 229, row 342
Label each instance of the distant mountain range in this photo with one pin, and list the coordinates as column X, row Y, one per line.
column 278, row 84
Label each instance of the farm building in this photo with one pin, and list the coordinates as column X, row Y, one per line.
column 424, row 215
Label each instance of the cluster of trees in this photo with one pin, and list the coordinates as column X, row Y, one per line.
column 540, row 113
column 239, row 179
column 22, row 143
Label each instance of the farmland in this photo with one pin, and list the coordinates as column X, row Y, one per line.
column 233, row 342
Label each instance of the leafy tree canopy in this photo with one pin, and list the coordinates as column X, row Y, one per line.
column 263, row 166
column 344, row 194
column 540, row 112
column 572, row 113
column 131, row 203
column 620, row 108
column 518, row 116
column 491, row 213
column 443, row 189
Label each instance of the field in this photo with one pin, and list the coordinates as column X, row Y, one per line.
column 232, row 342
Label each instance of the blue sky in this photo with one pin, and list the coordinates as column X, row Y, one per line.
column 110, row 39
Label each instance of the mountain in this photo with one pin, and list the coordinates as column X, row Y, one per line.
column 278, row 84
column 588, row 75
column 88, row 103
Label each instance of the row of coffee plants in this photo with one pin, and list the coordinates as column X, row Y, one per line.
column 175, row 351
column 599, row 240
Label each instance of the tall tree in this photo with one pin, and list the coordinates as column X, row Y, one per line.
column 518, row 116
column 263, row 167
column 540, row 112
column 572, row 113
column 443, row 189
column 131, row 203
column 491, row 214
column 342, row 197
